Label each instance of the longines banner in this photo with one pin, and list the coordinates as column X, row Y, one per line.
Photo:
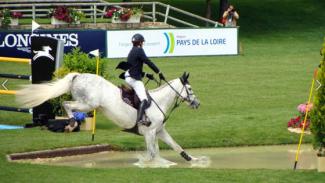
column 175, row 42
column 17, row 43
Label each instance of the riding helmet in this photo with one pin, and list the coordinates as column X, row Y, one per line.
column 137, row 38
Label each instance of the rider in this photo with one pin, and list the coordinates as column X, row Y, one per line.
column 133, row 76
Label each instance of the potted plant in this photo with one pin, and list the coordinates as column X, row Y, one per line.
column 65, row 15
column 124, row 15
column 318, row 115
column 9, row 17
column 75, row 61
column 295, row 124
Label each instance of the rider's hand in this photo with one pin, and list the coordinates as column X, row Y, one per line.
column 150, row 76
column 161, row 76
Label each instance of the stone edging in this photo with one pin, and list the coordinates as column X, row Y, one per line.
column 61, row 152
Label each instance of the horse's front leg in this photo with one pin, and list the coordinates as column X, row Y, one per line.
column 164, row 136
column 150, row 138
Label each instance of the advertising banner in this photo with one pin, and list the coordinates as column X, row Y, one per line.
column 175, row 42
column 17, row 43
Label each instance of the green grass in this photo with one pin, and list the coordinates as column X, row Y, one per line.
column 245, row 100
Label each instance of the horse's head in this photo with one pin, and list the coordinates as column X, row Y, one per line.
column 187, row 93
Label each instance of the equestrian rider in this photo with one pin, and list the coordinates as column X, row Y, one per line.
column 133, row 76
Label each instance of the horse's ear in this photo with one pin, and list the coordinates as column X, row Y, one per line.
column 184, row 75
column 188, row 75
column 183, row 78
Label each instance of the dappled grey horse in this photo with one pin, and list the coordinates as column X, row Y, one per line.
column 90, row 92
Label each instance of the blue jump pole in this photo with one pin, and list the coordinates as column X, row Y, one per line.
column 15, row 109
column 16, row 76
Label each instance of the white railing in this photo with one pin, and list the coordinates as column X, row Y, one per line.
column 154, row 11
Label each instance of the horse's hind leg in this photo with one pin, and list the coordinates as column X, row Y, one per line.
column 70, row 106
column 164, row 136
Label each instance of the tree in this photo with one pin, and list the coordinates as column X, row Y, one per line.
column 208, row 9
column 318, row 112
column 223, row 5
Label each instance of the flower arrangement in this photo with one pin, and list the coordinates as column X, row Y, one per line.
column 298, row 122
column 6, row 16
column 122, row 14
column 66, row 14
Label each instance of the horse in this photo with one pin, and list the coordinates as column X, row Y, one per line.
column 90, row 92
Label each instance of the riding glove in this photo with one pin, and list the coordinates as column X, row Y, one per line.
column 150, row 76
column 161, row 76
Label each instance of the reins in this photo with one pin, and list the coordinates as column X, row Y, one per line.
column 176, row 104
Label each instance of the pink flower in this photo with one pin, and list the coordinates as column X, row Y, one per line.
column 303, row 107
column 16, row 14
column 109, row 13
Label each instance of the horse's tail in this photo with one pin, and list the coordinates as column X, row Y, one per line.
column 35, row 94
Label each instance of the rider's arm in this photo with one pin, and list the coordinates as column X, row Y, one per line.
column 147, row 61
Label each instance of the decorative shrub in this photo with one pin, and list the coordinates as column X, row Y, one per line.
column 318, row 112
column 6, row 15
column 75, row 61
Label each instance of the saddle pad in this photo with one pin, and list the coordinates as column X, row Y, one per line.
column 128, row 96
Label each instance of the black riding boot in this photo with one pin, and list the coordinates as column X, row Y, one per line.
column 143, row 106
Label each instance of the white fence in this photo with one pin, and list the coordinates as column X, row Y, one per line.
column 95, row 9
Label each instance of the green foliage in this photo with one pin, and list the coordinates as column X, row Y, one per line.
column 5, row 16
column 318, row 112
column 76, row 61
column 76, row 14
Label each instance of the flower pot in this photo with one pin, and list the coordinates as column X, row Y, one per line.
column 55, row 21
column 132, row 19
column 14, row 21
column 321, row 163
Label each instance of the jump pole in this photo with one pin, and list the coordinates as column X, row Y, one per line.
column 96, row 54
column 16, row 76
column 11, row 59
column 305, row 119
column 8, row 92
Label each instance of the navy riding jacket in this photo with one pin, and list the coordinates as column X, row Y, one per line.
column 136, row 58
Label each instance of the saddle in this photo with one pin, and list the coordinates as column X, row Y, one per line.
column 130, row 97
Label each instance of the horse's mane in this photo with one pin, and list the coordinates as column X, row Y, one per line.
column 162, row 86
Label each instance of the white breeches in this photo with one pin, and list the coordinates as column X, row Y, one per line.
column 137, row 85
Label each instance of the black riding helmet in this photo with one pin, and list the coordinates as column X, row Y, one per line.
column 137, row 39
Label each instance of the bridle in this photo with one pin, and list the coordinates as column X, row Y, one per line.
column 177, row 102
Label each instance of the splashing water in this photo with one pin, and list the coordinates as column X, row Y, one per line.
column 157, row 162
column 200, row 162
